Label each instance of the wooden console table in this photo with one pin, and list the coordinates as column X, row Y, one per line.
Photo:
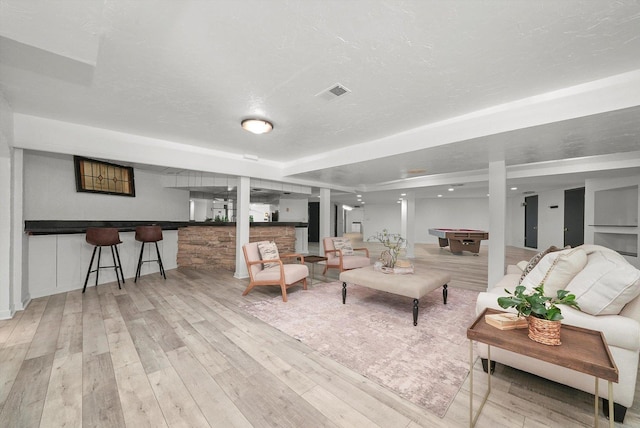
column 583, row 350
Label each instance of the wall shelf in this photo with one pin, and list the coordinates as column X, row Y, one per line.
column 616, row 207
column 624, row 243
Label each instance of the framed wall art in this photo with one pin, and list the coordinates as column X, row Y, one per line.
column 96, row 176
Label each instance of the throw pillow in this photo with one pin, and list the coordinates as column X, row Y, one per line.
column 343, row 244
column 556, row 270
column 268, row 251
column 534, row 261
column 606, row 284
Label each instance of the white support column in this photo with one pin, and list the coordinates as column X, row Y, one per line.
column 242, row 225
column 325, row 217
column 497, row 220
column 407, row 222
column 6, row 293
column 19, row 240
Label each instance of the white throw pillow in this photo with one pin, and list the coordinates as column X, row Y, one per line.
column 556, row 270
column 268, row 251
column 528, row 267
column 343, row 244
column 606, row 284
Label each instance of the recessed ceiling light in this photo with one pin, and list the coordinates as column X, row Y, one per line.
column 514, row 188
column 451, row 189
column 416, row 171
column 439, row 196
column 257, row 126
column 358, row 196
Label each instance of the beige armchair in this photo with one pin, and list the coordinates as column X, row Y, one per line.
column 283, row 274
column 341, row 256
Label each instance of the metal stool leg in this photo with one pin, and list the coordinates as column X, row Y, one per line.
column 119, row 263
column 139, row 263
column 115, row 266
column 98, row 269
column 89, row 270
column 160, row 262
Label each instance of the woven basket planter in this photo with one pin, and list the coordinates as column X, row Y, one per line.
column 544, row 331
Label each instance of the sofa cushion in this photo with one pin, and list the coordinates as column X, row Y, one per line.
column 555, row 270
column 343, row 244
column 268, row 251
column 606, row 284
column 534, row 261
column 522, row 265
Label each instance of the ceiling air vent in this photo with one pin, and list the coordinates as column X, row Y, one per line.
column 333, row 92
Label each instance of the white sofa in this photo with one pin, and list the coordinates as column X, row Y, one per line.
column 606, row 288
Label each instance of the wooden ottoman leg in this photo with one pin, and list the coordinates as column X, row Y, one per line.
column 444, row 293
column 415, row 312
column 344, row 293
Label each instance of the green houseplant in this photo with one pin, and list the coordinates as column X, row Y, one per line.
column 542, row 312
column 536, row 304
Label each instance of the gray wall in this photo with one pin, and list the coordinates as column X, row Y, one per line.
column 50, row 194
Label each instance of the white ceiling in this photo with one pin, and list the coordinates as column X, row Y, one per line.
column 440, row 86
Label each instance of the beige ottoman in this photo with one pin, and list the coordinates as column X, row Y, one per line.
column 415, row 285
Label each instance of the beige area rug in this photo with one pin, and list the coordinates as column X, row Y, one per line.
column 373, row 334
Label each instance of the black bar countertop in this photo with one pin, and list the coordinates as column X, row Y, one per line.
column 61, row 227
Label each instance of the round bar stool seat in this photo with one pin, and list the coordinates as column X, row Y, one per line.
column 104, row 237
column 149, row 234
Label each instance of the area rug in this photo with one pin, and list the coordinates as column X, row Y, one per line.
column 373, row 334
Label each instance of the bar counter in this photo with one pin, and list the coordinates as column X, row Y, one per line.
column 63, row 227
column 59, row 256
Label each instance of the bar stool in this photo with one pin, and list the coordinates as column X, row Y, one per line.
column 149, row 234
column 104, row 237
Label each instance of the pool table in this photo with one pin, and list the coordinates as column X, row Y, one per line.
column 460, row 240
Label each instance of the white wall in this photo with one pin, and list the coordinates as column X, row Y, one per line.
column 201, row 209
column 378, row 217
column 452, row 213
column 6, row 297
column 261, row 212
column 356, row 215
column 294, row 210
column 625, row 238
column 515, row 222
column 550, row 220
column 50, row 194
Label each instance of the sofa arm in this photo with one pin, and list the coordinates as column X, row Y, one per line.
column 513, row 269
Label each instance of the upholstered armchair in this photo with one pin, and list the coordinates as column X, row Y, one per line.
column 266, row 267
column 340, row 255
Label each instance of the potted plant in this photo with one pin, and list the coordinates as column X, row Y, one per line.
column 542, row 312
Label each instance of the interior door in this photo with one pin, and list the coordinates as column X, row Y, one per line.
column 574, row 217
column 314, row 221
column 531, row 221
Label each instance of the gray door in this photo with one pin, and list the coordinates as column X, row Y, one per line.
column 574, row 217
column 531, row 221
column 314, row 221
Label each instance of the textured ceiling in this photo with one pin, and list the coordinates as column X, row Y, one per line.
column 190, row 71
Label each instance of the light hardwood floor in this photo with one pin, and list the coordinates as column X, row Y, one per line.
column 181, row 352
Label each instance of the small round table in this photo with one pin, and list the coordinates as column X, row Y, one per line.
column 313, row 259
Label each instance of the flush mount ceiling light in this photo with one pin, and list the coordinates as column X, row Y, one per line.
column 257, row 126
